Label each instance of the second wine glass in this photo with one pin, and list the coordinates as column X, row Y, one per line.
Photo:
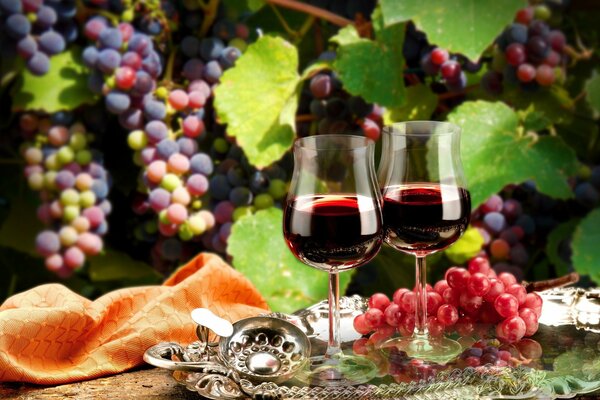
column 426, row 208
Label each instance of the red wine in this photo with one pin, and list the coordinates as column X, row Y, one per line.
column 423, row 218
column 333, row 230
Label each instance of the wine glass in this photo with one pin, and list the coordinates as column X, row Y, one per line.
column 333, row 222
column 426, row 208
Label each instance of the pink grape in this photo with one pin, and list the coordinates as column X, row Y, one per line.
column 192, row 126
column 512, row 329
column 167, row 229
column 397, row 297
column 196, row 99
column 470, row 303
column 447, row 314
column 223, row 212
column 58, row 135
column 552, row 59
column 506, row 305
column 534, row 301
column 379, row 300
column 54, row 262
column 531, row 321
column 496, row 289
column 181, row 196
column 479, row 264
column 434, row 301
column 557, row 40
column 451, row 296
column 178, row 99
column 197, row 184
column 359, row 346
column 90, row 243
column 526, row 72
column 435, row 327
column 493, row 203
column 374, row 317
column 518, row 291
column 361, row 325
column 43, row 213
column 125, row 77
column 457, row 277
column 156, row 171
column 392, row 314
column 177, row 213
column 500, row 249
column 439, row 56
column 74, row 257
column 507, row 279
column 408, row 302
column 516, row 54
column 382, row 333
column 478, row 284
column 441, row 286
column 178, row 163
column 95, row 215
column 545, row 75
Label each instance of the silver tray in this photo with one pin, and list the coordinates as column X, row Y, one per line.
column 569, row 335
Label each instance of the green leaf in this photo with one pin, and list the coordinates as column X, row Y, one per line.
column 64, row 87
column 260, row 253
column 116, row 266
column 461, row 26
column 586, row 253
column 592, row 90
column 494, row 154
column 562, row 232
column 553, row 103
column 258, row 98
column 420, row 104
column 372, row 69
column 466, row 247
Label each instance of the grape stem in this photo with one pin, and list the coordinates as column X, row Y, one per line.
column 450, row 95
column 561, row 281
column 312, row 10
column 210, row 14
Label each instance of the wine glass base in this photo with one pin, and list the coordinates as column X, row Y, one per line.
column 437, row 350
column 338, row 370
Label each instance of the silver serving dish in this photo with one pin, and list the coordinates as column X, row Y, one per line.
column 569, row 330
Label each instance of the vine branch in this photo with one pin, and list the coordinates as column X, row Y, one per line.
column 561, row 281
column 312, row 10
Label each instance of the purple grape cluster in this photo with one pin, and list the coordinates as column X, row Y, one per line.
column 505, row 229
column 124, row 67
column 333, row 110
column 238, row 189
column 528, row 53
column 40, row 29
column 175, row 171
column 73, row 187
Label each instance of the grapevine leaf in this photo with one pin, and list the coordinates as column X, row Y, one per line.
column 420, row 104
column 553, row 103
column 64, row 87
column 116, row 266
column 372, row 69
column 495, row 155
column 586, row 256
column 592, row 89
column 466, row 247
column 258, row 98
column 480, row 21
column 259, row 252
column 562, row 232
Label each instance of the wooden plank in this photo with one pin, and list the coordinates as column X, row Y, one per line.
column 152, row 384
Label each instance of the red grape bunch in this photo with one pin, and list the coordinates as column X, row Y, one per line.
column 528, row 53
column 124, row 66
column 73, row 187
column 465, row 298
column 39, row 29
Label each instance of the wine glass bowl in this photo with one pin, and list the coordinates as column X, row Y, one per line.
column 333, row 222
column 426, row 208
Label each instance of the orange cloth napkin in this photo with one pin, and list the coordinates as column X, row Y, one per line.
column 50, row 335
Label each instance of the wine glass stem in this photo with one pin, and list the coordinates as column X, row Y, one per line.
column 421, row 304
column 333, row 346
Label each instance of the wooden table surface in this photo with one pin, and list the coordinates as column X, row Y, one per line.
column 147, row 384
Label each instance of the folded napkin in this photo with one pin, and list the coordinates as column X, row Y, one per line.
column 50, row 335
